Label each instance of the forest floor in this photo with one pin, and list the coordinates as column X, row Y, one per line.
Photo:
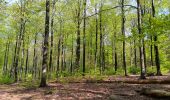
column 110, row 88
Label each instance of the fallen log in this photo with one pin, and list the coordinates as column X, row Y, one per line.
column 156, row 93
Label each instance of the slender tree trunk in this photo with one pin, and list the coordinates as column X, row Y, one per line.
column 72, row 54
column 34, row 70
column 84, row 39
column 101, row 40
column 157, row 60
column 5, row 67
column 52, row 36
column 62, row 53
column 151, row 52
column 58, row 57
column 131, row 53
column 151, row 46
column 45, row 46
column 78, row 36
column 115, row 50
column 23, row 52
column 123, row 33
column 135, row 54
column 142, row 15
column 142, row 62
column 27, row 59
column 96, row 50
column 103, row 55
column 13, row 68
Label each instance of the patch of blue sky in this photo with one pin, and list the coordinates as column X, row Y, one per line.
column 11, row 1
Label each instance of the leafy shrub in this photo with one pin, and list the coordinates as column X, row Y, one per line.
column 110, row 71
column 134, row 70
column 6, row 79
column 151, row 71
column 120, row 71
column 92, row 71
column 165, row 67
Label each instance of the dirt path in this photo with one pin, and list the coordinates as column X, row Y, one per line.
column 79, row 91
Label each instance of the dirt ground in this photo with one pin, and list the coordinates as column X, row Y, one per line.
column 82, row 91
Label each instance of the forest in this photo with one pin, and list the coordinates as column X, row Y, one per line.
column 84, row 49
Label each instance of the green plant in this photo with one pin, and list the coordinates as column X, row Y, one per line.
column 151, row 71
column 134, row 70
column 5, row 79
column 110, row 71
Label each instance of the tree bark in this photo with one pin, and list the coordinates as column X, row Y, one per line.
column 78, row 36
column 52, row 37
column 96, row 49
column 101, row 41
column 5, row 67
column 156, row 50
column 135, row 54
column 84, row 39
column 123, row 33
column 45, row 46
column 34, row 70
column 27, row 59
column 142, row 62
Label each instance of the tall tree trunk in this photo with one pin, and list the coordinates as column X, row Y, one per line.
column 131, row 53
column 27, row 59
column 23, row 52
column 142, row 16
column 58, row 57
column 151, row 51
column 45, row 46
column 103, row 55
column 5, row 67
column 52, row 36
column 34, row 70
column 115, row 47
column 141, row 40
column 96, row 49
column 78, row 36
column 62, row 53
column 157, row 60
column 13, row 67
column 123, row 33
column 101, row 40
column 84, row 39
column 135, row 54
column 72, row 54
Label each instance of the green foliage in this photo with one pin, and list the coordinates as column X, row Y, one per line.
column 150, row 71
column 93, row 72
column 110, row 71
column 29, row 77
column 5, row 79
column 165, row 68
column 134, row 70
column 120, row 71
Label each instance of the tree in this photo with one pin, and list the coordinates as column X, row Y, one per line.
column 123, row 34
column 156, row 50
column 141, row 40
column 19, row 39
column 78, row 14
column 45, row 46
column 84, row 39
column 52, row 36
